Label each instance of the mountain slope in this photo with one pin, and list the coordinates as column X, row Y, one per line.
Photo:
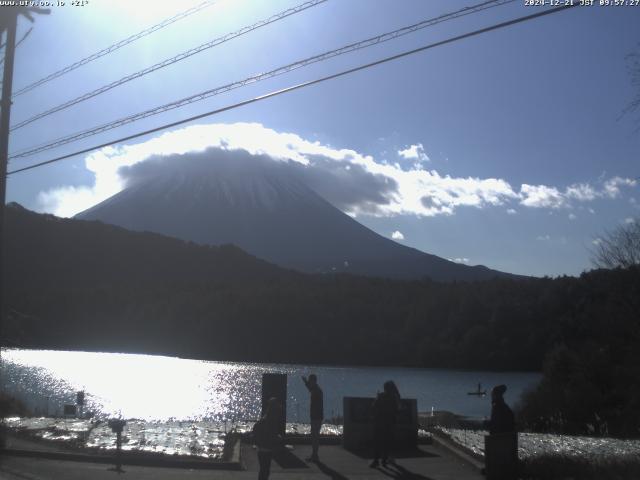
column 262, row 207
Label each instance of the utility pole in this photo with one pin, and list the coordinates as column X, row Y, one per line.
column 8, row 23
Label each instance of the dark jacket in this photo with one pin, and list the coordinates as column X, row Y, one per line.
column 385, row 410
column 265, row 434
column 502, row 420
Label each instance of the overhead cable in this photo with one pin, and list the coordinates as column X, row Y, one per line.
column 300, row 85
column 115, row 46
column 24, row 37
column 171, row 61
column 260, row 77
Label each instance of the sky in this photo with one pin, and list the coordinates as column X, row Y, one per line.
column 509, row 149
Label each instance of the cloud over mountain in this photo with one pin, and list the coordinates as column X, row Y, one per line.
column 356, row 183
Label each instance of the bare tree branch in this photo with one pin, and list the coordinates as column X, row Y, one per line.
column 619, row 247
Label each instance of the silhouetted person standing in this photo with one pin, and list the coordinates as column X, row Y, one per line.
column 267, row 438
column 501, row 445
column 502, row 420
column 385, row 412
column 316, row 413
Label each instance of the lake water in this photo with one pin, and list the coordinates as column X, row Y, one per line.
column 157, row 388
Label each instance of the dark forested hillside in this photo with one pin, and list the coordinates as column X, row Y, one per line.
column 591, row 376
column 84, row 285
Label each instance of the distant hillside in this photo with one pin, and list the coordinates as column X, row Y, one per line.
column 75, row 284
column 219, row 197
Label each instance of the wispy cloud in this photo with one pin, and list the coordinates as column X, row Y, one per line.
column 543, row 196
column 356, row 183
column 582, row 192
column 414, row 152
column 612, row 186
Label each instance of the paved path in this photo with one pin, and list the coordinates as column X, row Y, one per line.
column 429, row 462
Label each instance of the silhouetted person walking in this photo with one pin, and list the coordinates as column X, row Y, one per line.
column 316, row 413
column 502, row 420
column 267, row 438
column 385, row 411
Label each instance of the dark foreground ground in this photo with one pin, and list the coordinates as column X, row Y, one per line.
column 430, row 462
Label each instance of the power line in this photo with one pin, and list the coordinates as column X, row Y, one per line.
column 24, row 37
column 260, row 77
column 28, row 32
column 302, row 85
column 115, row 46
column 172, row 60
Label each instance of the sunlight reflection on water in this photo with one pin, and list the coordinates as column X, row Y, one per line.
column 136, row 386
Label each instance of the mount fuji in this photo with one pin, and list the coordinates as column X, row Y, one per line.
column 264, row 207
